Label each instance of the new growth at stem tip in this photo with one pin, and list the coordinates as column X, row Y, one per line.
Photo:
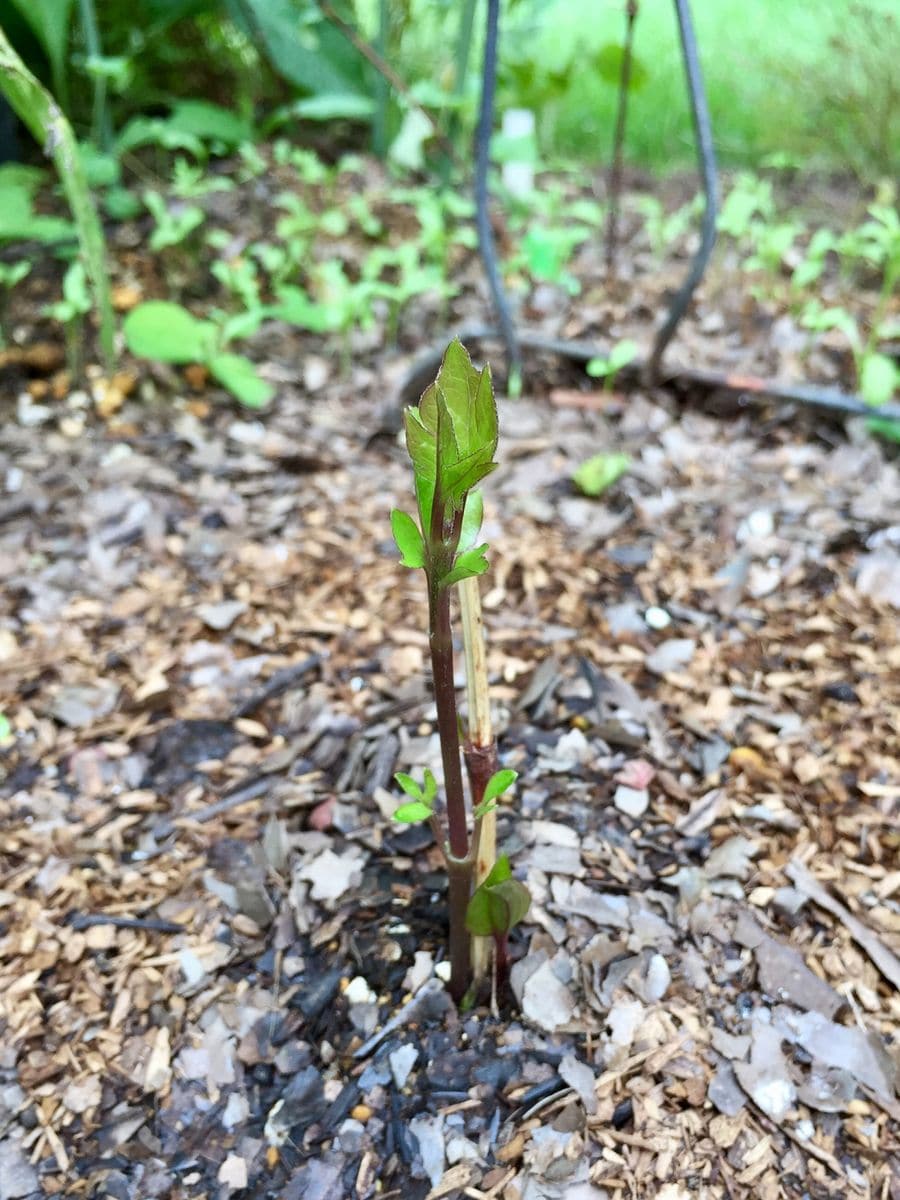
column 451, row 437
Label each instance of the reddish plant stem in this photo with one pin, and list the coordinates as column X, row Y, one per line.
column 448, row 729
column 615, row 182
column 459, row 865
column 501, row 961
column 459, row 891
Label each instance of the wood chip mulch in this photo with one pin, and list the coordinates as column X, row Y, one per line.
column 220, row 960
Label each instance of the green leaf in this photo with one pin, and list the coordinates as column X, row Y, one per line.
column 622, row 354
column 500, row 782
column 598, row 368
column 498, row 904
column 5, row 727
column 500, row 871
column 165, row 331
column 409, row 785
column 496, row 786
column 157, row 131
column 600, row 472
column 239, row 375
column 408, row 538
column 241, row 325
column 329, row 106
column 510, row 902
column 608, row 64
column 452, row 435
column 471, row 562
column 307, row 51
column 295, row 307
column 430, row 788
column 878, row 379
column 210, row 122
column 409, row 814
column 50, row 21
column 407, row 149
column 473, row 515
column 883, row 427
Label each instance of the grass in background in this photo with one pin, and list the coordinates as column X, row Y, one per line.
column 772, row 72
column 813, row 82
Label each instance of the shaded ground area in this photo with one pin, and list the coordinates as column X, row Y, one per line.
column 217, row 953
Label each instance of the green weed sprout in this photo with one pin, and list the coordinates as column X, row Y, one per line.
column 173, row 225
column 608, row 368
column 71, row 310
column 451, row 437
column 10, row 275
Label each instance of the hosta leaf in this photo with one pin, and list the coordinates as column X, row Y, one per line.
column 408, row 539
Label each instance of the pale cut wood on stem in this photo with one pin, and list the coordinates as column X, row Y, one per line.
column 480, row 735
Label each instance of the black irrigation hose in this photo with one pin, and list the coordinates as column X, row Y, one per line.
column 748, row 387
column 482, row 220
column 707, row 160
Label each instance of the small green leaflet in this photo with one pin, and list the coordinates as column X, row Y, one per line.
column 409, row 785
column 499, row 903
column 600, row 472
column 408, row 538
column 5, row 727
column 620, row 356
column 423, row 798
column 498, row 783
column 472, row 562
column 239, row 375
column 409, row 814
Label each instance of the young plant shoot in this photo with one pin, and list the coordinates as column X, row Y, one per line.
column 452, row 438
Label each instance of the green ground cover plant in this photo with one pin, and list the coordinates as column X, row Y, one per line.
column 167, row 332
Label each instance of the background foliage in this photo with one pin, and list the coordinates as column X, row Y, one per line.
column 792, row 78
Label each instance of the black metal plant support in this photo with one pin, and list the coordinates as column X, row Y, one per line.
column 482, row 219
column 615, row 175
column 747, row 387
column 706, row 155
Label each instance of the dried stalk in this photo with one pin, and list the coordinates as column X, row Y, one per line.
column 480, row 750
